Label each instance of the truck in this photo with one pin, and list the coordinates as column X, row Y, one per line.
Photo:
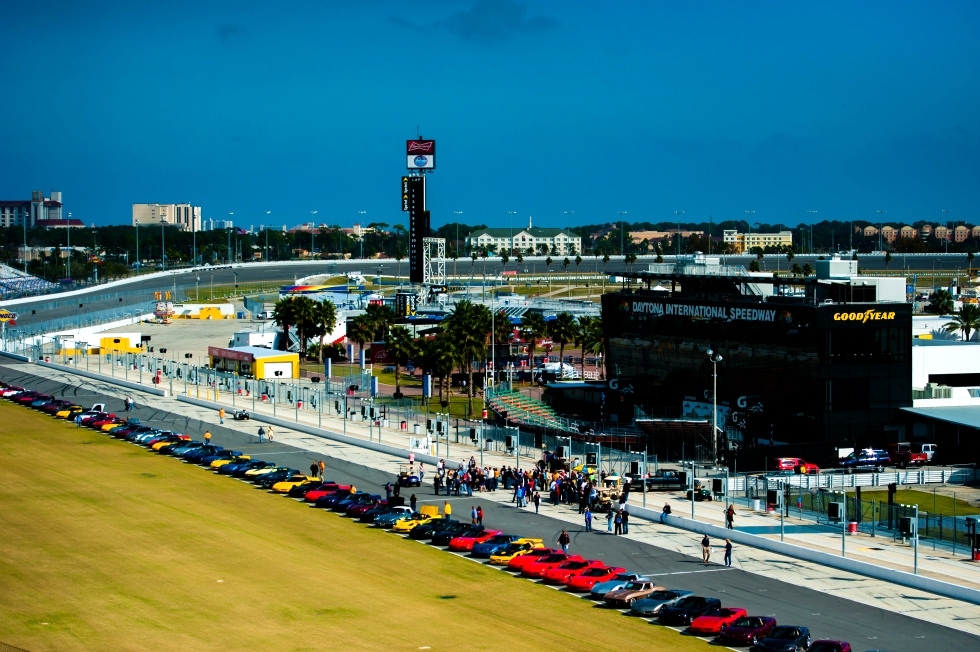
column 904, row 454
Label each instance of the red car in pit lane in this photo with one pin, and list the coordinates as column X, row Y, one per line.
column 518, row 563
column 563, row 573
column 538, row 568
column 465, row 544
column 325, row 489
column 715, row 619
column 591, row 576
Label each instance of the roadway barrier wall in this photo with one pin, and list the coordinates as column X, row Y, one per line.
column 149, row 389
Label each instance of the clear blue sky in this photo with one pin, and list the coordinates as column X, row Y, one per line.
column 538, row 107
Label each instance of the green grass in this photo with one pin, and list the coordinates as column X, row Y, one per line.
column 108, row 547
column 934, row 504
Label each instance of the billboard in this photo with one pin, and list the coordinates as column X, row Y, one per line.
column 420, row 154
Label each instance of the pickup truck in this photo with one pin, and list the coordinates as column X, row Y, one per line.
column 903, row 454
column 662, row 479
column 866, row 460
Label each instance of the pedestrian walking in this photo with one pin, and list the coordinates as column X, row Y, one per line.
column 619, row 522
column 730, row 517
column 728, row 552
column 421, row 471
column 706, row 549
column 537, row 502
column 387, row 491
column 609, row 521
column 129, row 404
column 261, row 433
column 473, row 516
column 268, row 433
column 437, row 483
column 626, row 521
column 479, row 515
column 447, row 509
column 207, row 436
column 78, row 421
column 322, row 467
column 412, row 502
column 411, row 458
column 221, row 416
column 563, row 541
column 313, row 469
column 588, row 519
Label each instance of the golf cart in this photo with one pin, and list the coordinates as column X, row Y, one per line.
column 241, row 415
column 408, row 476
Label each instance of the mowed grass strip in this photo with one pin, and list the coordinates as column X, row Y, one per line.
column 106, row 546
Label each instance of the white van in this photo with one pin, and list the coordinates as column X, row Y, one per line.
column 265, row 314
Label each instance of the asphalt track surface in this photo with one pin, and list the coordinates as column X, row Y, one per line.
column 99, row 298
column 866, row 628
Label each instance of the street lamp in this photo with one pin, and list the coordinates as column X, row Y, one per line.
column 678, row 214
column 163, row 244
column 68, row 261
column 360, row 236
column 881, row 218
column 312, row 234
column 456, row 247
column 715, row 358
column 622, row 215
column 265, row 257
column 139, row 265
column 95, row 252
column 811, row 214
column 230, row 223
column 945, row 212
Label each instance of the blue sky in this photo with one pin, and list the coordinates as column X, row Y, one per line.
column 538, row 107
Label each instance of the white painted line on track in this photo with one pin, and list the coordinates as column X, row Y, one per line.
column 706, row 570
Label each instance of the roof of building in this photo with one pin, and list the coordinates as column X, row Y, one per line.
column 535, row 232
column 961, row 415
column 259, row 351
column 27, row 202
column 73, row 223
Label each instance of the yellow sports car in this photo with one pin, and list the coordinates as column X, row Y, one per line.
column 219, row 463
column 284, row 486
column 69, row 412
column 405, row 525
column 520, row 547
column 112, row 426
column 166, row 442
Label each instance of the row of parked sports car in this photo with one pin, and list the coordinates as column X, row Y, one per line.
column 526, row 557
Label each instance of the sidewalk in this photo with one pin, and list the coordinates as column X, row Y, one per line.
column 879, row 550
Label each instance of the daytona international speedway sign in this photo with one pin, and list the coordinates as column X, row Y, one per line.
column 699, row 311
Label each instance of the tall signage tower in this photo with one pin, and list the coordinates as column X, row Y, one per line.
column 420, row 158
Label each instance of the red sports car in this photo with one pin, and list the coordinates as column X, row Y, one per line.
column 589, row 577
column 325, row 490
column 561, row 574
column 747, row 630
column 540, row 567
column 715, row 619
column 101, row 416
column 465, row 544
column 355, row 511
column 824, row 645
column 518, row 563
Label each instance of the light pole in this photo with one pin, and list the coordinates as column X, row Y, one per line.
column 197, row 292
column 95, row 253
column 26, row 217
column 811, row 214
column 265, row 256
column 163, row 244
column 456, row 247
column 361, row 235
column 881, row 219
column 68, row 260
column 622, row 216
column 139, row 265
column 715, row 358
column 228, row 228
column 312, row 233
column 945, row 212
column 678, row 214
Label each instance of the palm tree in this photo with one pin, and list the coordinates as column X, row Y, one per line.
column 439, row 355
column 380, row 318
column 941, row 302
column 807, row 270
column 401, row 347
column 563, row 329
column 533, row 327
column 503, row 332
column 359, row 330
column 306, row 320
column 468, row 327
column 966, row 319
column 969, row 263
column 325, row 313
column 284, row 315
column 584, row 332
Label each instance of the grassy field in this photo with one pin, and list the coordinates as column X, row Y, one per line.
column 933, row 503
column 108, row 547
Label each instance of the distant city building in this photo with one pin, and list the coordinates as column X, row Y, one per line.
column 211, row 225
column 185, row 216
column 746, row 242
column 565, row 243
column 38, row 208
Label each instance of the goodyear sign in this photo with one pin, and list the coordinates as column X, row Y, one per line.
column 865, row 316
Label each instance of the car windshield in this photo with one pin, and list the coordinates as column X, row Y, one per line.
column 552, row 558
column 661, row 595
column 626, row 576
column 747, row 622
column 635, row 586
column 716, row 612
column 690, row 602
column 595, row 572
column 574, row 565
column 784, row 632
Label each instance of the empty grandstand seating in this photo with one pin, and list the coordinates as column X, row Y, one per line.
column 14, row 284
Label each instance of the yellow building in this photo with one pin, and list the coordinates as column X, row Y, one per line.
column 255, row 362
column 746, row 242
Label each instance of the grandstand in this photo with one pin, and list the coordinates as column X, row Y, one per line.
column 523, row 410
column 14, row 284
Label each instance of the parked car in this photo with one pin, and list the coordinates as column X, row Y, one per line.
column 633, row 591
column 600, row 590
column 784, row 638
column 684, row 611
column 563, row 573
column 824, row 645
column 589, row 577
column 653, row 603
column 713, row 620
column 747, row 630
column 660, row 479
column 443, row 537
column 903, row 454
column 796, row 465
column 518, row 562
column 465, row 543
column 503, row 556
column 869, row 459
column 537, row 569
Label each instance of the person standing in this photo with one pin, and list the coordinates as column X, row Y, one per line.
column 706, row 549
column 609, row 521
column 261, row 433
column 730, row 516
column 479, row 515
column 221, row 416
column 421, row 471
column 626, row 520
column 322, row 467
column 563, row 541
column 537, row 502
column 473, row 516
column 411, row 458
column 413, row 502
column 388, row 491
column 437, row 483
column 588, row 519
column 314, row 468
column 619, row 522
column 447, row 509
column 207, row 437
column 728, row 552
column 268, row 433
column 78, row 421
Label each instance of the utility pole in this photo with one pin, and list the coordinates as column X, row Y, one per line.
column 622, row 215
column 678, row 214
column 945, row 212
column 265, row 256
column 231, row 216
column 68, row 262
column 881, row 218
column 361, row 235
column 811, row 214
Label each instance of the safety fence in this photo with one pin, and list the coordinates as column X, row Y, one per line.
column 5, row 647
